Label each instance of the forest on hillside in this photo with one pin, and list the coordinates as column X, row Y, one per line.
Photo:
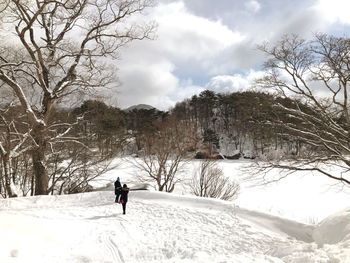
column 205, row 126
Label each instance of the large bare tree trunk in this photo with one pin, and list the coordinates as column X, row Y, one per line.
column 39, row 168
column 40, row 172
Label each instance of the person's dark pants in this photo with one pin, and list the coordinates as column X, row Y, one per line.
column 117, row 197
column 124, row 207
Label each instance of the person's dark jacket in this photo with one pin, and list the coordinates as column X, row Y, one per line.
column 117, row 187
column 124, row 195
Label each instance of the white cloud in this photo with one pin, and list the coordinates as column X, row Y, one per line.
column 226, row 83
column 204, row 42
column 253, row 6
column 335, row 10
column 186, row 35
column 147, row 82
column 233, row 83
column 186, row 44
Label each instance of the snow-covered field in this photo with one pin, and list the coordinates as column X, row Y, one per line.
column 303, row 196
column 160, row 227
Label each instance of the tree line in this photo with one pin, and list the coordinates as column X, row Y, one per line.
column 240, row 124
column 99, row 132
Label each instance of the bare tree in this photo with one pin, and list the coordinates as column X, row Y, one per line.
column 57, row 47
column 210, row 181
column 316, row 74
column 71, row 168
column 164, row 154
column 13, row 143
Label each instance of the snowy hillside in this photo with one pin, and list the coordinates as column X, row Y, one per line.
column 304, row 196
column 160, row 227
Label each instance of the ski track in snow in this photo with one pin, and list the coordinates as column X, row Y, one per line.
column 113, row 248
column 157, row 228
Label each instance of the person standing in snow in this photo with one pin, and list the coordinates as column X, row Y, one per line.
column 124, row 197
column 117, row 189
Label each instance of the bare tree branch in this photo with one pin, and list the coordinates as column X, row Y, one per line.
column 299, row 69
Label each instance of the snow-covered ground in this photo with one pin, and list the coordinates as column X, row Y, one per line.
column 161, row 227
column 303, row 196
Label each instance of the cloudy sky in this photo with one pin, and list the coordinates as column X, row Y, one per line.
column 206, row 44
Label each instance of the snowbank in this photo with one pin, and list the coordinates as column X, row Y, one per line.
column 333, row 229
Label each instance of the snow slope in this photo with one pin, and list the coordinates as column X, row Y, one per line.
column 303, row 196
column 160, row 227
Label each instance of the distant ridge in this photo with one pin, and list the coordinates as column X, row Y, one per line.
column 140, row 107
